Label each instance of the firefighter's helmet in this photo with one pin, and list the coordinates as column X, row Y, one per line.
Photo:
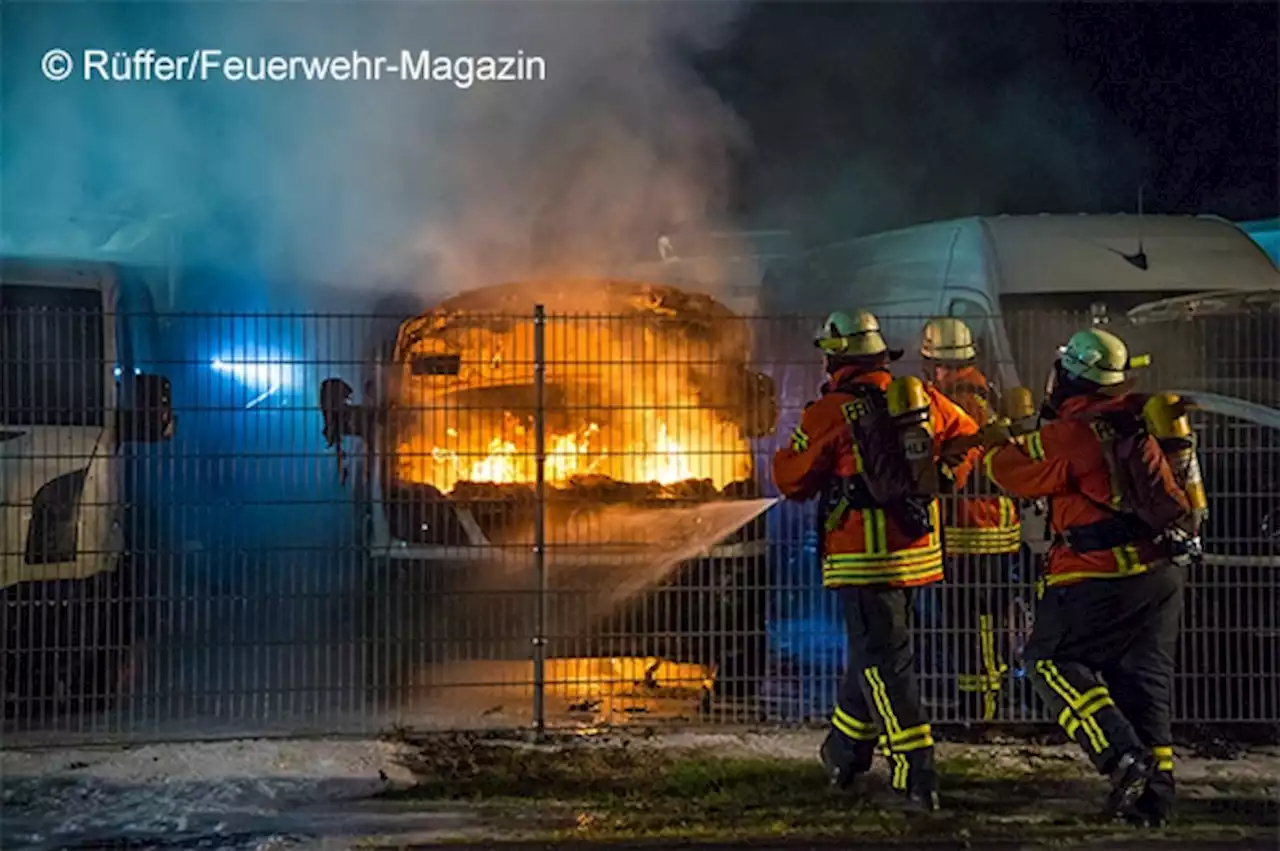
column 1017, row 403
column 853, row 335
column 1100, row 357
column 947, row 339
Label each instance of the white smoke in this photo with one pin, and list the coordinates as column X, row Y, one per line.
column 349, row 182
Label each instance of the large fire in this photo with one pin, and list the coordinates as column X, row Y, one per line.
column 626, row 399
column 654, row 455
column 511, row 458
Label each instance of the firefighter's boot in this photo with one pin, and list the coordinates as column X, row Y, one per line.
column 1129, row 780
column 845, row 761
column 1154, row 807
column 923, row 800
column 922, row 783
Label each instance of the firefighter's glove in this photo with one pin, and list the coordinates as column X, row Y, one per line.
column 995, row 434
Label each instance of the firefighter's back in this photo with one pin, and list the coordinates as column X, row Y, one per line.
column 870, row 541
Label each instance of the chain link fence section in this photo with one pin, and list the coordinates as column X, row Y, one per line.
column 535, row 516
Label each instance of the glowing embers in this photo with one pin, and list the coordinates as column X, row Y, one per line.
column 612, row 689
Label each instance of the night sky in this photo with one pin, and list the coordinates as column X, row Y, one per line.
column 866, row 116
column 857, row 117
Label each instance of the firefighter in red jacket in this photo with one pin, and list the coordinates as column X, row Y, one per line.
column 1101, row 652
column 982, row 537
column 881, row 539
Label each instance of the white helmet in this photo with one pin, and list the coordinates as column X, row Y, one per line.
column 947, row 339
column 856, row 335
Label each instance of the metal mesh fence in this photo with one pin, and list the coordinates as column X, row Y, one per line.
column 231, row 525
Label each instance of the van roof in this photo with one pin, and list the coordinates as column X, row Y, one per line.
column 1042, row 254
column 1062, row 254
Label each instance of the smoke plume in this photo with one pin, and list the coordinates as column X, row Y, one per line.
column 896, row 114
column 359, row 182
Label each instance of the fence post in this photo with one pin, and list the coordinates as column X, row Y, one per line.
column 540, row 516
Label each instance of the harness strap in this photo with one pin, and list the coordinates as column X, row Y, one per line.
column 1121, row 528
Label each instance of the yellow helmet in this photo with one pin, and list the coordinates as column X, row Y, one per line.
column 1017, row 403
column 1100, row 357
column 855, row 335
column 947, row 339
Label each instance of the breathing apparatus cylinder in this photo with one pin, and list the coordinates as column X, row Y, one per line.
column 1166, row 417
column 909, row 407
column 1018, row 408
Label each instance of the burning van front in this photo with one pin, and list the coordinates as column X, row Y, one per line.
column 650, row 509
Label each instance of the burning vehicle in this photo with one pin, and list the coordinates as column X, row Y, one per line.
column 646, row 527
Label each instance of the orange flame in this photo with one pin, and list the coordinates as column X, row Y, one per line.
column 628, row 401
column 510, row 458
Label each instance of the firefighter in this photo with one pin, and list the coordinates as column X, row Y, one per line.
column 880, row 533
column 1101, row 652
column 982, row 538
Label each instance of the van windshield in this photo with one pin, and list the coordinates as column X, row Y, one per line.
column 52, row 359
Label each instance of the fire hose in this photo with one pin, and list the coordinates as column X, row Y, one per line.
column 1230, row 406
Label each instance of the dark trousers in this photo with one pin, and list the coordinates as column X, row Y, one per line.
column 1101, row 655
column 965, row 640
column 879, row 699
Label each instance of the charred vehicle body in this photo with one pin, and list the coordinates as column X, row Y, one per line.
column 650, row 518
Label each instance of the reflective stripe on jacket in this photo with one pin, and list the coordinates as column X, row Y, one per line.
column 1064, row 461
column 866, row 547
column 978, row 525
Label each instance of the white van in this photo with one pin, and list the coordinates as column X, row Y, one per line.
column 978, row 268
column 76, row 342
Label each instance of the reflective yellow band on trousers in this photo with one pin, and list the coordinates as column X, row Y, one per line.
column 991, row 680
column 1163, row 755
column 1080, row 708
column 897, row 742
column 859, row 731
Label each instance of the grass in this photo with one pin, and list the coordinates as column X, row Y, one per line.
column 627, row 791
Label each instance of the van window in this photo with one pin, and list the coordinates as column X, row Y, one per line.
column 978, row 318
column 964, row 308
column 52, row 369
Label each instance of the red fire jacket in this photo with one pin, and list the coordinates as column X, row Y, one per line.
column 1064, row 461
column 977, row 525
column 867, row 547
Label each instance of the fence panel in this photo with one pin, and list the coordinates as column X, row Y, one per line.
column 556, row 519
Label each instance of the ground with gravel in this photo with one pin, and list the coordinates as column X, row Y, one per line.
column 592, row 788
column 769, row 786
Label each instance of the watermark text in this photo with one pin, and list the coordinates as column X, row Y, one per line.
column 206, row 64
